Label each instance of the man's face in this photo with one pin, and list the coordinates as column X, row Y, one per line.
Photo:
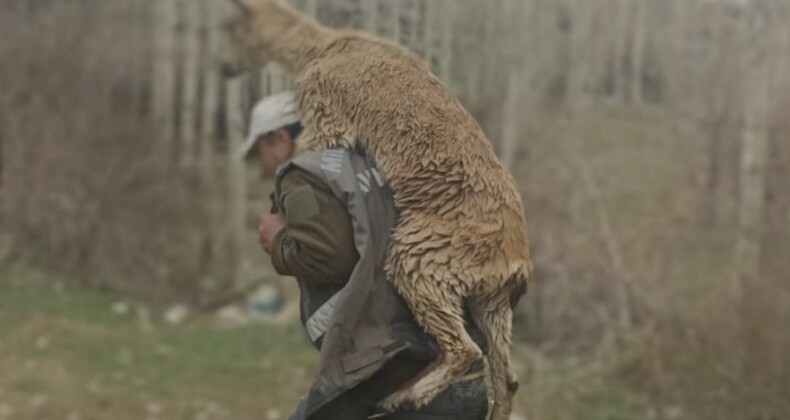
column 275, row 149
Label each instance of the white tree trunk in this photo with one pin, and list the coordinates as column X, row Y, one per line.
column 578, row 74
column 164, row 89
column 619, row 43
column 395, row 11
column 311, row 8
column 754, row 153
column 141, row 41
column 514, row 14
column 447, row 17
column 513, row 120
column 190, row 36
column 371, row 11
column 237, row 176
column 637, row 51
column 212, row 81
column 211, row 88
column 678, row 62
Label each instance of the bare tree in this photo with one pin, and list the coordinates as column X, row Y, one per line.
column 754, row 147
column 237, row 175
column 190, row 79
column 211, row 87
column 637, row 50
column 619, row 43
column 579, row 67
column 165, row 64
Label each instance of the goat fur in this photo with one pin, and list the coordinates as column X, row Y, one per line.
column 461, row 241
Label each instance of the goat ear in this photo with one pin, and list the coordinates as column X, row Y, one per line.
column 243, row 6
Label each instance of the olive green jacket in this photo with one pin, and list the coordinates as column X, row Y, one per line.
column 317, row 245
column 362, row 324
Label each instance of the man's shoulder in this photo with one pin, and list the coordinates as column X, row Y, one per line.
column 300, row 193
column 314, row 167
column 294, row 176
column 325, row 156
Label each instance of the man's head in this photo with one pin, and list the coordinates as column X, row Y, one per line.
column 274, row 127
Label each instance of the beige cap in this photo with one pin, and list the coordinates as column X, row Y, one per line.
column 271, row 113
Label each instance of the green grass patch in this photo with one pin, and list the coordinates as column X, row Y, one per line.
column 29, row 386
column 69, row 352
column 71, row 344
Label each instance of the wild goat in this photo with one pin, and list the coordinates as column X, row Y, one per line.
column 461, row 240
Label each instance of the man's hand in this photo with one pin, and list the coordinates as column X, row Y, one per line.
column 270, row 225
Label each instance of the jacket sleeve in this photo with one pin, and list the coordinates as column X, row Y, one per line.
column 317, row 244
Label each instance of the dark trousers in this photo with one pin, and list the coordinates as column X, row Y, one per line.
column 461, row 401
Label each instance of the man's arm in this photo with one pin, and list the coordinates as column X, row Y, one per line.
column 317, row 243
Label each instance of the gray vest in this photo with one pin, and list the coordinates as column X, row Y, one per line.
column 366, row 323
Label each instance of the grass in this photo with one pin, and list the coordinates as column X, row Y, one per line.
column 66, row 351
column 575, row 388
column 65, row 354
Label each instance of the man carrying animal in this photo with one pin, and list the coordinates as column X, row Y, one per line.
column 330, row 224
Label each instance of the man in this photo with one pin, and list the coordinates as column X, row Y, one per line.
column 329, row 228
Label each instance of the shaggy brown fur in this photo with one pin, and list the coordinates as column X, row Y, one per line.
column 461, row 239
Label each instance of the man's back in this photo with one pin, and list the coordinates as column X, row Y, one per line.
column 318, row 247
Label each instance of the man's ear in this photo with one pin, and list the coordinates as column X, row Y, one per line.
column 282, row 136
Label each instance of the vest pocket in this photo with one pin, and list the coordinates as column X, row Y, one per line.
column 367, row 357
column 361, row 359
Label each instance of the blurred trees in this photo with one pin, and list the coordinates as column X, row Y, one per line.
column 84, row 187
column 650, row 139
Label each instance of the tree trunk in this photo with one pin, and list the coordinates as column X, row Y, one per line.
column 415, row 16
column 578, row 73
column 164, row 90
column 514, row 14
column 210, row 113
column 637, row 51
column 677, row 63
column 619, row 44
column 446, row 60
column 395, row 27
column 371, row 11
column 718, row 94
column 190, row 36
column 754, row 146
column 513, row 119
column 311, row 8
column 237, row 176
column 212, row 80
